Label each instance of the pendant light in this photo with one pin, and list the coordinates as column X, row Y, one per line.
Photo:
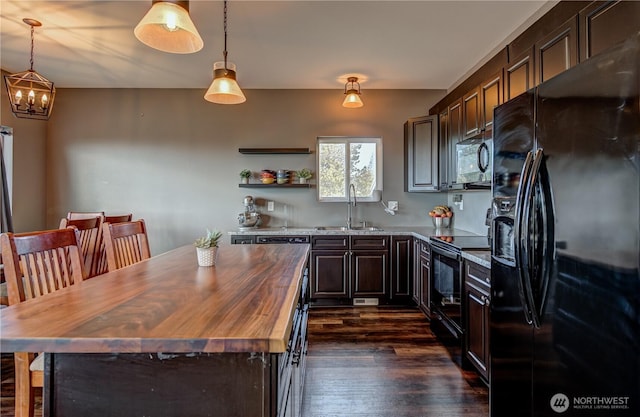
column 167, row 27
column 352, row 100
column 224, row 89
column 30, row 94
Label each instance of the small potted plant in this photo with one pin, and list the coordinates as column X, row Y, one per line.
column 245, row 174
column 303, row 175
column 207, row 247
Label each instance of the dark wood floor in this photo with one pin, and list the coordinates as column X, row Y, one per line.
column 384, row 362
column 367, row 361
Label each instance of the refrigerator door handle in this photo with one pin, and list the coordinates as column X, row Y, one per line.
column 540, row 178
column 520, row 238
column 527, row 237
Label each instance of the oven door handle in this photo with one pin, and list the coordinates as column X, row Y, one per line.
column 445, row 253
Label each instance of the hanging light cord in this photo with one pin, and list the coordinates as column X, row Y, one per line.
column 31, row 61
column 225, row 35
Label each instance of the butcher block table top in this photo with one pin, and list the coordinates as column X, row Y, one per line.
column 168, row 303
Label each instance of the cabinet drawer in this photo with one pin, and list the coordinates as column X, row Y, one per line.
column 330, row 242
column 478, row 276
column 369, row 242
column 424, row 249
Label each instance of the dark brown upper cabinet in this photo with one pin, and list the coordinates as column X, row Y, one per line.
column 519, row 75
column 605, row 23
column 491, row 96
column 421, row 154
column 558, row 51
column 471, row 113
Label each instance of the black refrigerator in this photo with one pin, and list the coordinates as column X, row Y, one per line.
column 565, row 308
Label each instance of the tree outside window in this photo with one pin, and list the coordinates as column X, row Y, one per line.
column 343, row 161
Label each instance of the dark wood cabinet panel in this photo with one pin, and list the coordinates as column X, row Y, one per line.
column 443, row 122
column 471, row 113
column 491, row 96
column 343, row 266
column 421, row 154
column 477, row 301
column 425, row 278
column 558, row 51
column 401, row 267
column 369, row 274
column 456, row 133
column 519, row 75
column 329, row 272
column 605, row 23
column 415, row 291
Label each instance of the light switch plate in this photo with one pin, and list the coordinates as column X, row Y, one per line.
column 270, row 206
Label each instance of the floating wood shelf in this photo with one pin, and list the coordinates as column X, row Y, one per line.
column 274, row 185
column 273, row 151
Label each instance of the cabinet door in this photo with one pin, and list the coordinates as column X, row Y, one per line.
column 557, row 52
column 455, row 136
column 471, row 113
column 425, row 285
column 490, row 97
column 604, row 23
column 425, row 277
column 519, row 75
column 421, row 154
column 443, row 122
column 477, row 304
column 329, row 272
column 401, row 267
column 369, row 273
column 415, row 292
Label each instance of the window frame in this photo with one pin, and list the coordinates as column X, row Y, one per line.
column 347, row 141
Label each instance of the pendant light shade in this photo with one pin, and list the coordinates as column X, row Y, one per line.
column 31, row 95
column 224, row 89
column 352, row 100
column 167, row 27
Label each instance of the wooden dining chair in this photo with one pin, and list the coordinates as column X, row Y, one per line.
column 99, row 265
column 126, row 243
column 37, row 264
column 89, row 232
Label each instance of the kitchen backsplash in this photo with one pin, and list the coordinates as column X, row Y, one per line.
column 472, row 216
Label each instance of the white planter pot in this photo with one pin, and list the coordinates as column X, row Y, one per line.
column 303, row 180
column 207, row 256
column 244, row 180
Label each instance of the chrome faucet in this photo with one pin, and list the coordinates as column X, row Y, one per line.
column 352, row 192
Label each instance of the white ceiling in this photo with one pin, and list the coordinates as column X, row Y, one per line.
column 275, row 44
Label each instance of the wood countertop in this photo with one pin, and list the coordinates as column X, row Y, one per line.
column 169, row 304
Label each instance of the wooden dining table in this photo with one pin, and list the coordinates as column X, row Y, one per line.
column 165, row 325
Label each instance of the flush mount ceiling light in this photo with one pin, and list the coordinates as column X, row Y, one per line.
column 225, row 89
column 31, row 95
column 167, row 27
column 352, row 100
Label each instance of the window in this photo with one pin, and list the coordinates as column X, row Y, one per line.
column 343, row 161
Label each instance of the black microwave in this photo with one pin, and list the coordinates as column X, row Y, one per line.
column 474, row 163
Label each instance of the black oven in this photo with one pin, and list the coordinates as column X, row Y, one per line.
column 447, row 309
column 446, row 282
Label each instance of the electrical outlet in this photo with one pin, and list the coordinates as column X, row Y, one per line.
column 393, row 205
column 270, row 206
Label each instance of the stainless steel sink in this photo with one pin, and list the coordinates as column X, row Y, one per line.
column 346, row 229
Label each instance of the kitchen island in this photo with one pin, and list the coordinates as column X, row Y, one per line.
column 165, row 337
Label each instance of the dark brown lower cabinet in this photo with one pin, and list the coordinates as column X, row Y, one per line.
column 425, row 278
column 477, row 298
column 401, row 268
column 346, row 267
